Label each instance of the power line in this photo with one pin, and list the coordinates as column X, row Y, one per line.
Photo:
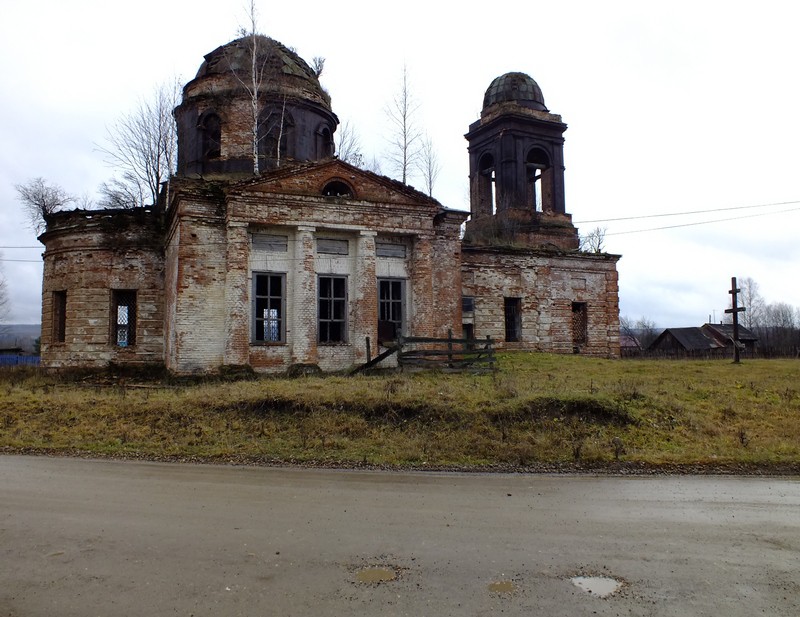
column 733, row 218
column 651, row 216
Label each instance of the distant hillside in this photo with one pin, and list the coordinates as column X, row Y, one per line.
column 19, row 335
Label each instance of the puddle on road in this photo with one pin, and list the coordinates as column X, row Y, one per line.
column 375, row 575
column 502, row 587
column 600, row 586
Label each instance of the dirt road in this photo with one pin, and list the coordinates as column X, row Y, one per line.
column 81, row 537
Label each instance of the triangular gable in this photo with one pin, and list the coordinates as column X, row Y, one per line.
column 312, row 178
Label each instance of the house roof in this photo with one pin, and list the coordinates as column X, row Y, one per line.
column 691, row 339
column 725, row 331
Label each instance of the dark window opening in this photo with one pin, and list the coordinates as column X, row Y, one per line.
column 59, row 316
column 467, row 304
column 269, row 302
column 486, row 185
column 468, row 331
column 326, row 143
column 391, row 298
column 539, row 181
column 332, row 303
column 513, row 315
column 580, row 326
column 337, row 188
column 123, row 317
column 212, row 136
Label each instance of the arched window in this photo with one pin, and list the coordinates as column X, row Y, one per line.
column 274, row 128
column 211, row 128
column 539, row 180
column 486, row 184
column 337, row 188
column 325, row 147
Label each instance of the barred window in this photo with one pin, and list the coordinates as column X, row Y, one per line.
column 123, row 317
column 580, row 325
column 332, row 316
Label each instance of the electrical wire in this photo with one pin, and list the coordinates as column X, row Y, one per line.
column 652, row 216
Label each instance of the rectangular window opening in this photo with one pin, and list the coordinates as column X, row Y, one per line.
column 59, row 316
column 269, row 308
column 513, row 315
column 332, row 309
column 123, row 317
column 391, row 309
column 580, row 325
column 467, row 304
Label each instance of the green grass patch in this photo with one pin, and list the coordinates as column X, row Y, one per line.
column 538, row 409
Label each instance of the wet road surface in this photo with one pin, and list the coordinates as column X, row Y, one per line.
column 82, row 537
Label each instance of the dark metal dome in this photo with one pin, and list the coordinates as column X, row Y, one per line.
column 517, row 87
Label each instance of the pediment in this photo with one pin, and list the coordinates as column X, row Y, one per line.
column 335, row 180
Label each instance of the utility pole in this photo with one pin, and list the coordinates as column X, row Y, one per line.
column 735, row 310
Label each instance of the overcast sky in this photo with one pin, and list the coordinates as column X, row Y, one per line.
column 672, row 107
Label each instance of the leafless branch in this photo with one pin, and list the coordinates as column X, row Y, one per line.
column 39, row 200
column 405, row 138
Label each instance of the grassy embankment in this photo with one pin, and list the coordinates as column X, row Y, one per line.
column 538, row 409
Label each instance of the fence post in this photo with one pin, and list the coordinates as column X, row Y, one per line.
column 369, row 352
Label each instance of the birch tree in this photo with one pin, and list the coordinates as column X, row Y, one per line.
column 142, row 147
column 253, row 81
column 405, row 138
column 428, row 165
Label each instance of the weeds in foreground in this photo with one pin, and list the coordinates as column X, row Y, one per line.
column 537, row 408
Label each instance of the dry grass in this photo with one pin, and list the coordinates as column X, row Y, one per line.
column 537, row 409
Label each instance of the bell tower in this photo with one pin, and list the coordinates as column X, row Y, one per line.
column 516, row 170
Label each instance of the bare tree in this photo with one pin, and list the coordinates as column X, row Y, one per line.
column 142, row 146
column 593, row 241
column 751, row 299
column 254, row 80
column 40, row 199
column 646, row 331
column 318, row 64
column 348, row 145
column 404, row 141
column 429, row 165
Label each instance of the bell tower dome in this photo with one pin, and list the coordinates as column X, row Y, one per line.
column 516, row 170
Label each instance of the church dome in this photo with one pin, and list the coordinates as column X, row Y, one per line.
column 515, row 87
column 284, row 72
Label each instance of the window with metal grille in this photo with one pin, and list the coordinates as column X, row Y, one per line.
column 59, row 316
column 269, row 307
column 513, row 315
column 580, row 325
column 123, row 317
column 332, row 302
column 391, row 298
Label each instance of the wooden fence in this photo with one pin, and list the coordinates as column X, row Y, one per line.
column 446, row 354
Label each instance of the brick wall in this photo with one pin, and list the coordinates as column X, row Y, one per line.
column 547, row 284
column 88, row 255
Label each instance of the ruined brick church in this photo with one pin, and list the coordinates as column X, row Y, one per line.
column 303, row 262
